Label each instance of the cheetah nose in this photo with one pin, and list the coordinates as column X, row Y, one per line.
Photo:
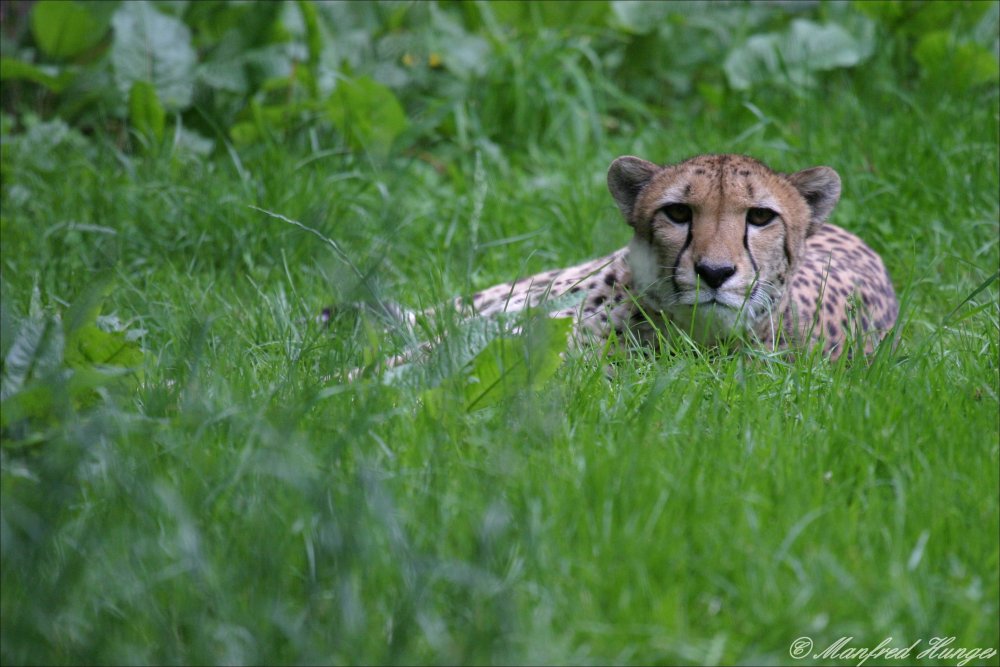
column 714, row 276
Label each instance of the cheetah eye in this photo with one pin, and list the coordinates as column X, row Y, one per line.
column 679, row 214
column 758, row 217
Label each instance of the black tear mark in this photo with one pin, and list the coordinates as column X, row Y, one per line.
column 677, row 260
column 746, row 245
column 788, row 250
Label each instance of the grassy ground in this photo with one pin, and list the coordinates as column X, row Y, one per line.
column 240, row 506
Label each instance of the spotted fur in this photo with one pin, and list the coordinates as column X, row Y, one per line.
column 755, row 259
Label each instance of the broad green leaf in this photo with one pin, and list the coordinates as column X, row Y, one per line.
column 232, row 27
column 145, row 111
column 794, row 55
column 64, row 28
column 270, row 62
column 37, row 349
column 754, row 62
column 35, row 401
column 505, row 366
column 89, row 347
column 49, row 359
column 509, row 365
column 454, row 353
column 815, row 46
column 367, row 114
column 955, row 65
column 233, row 39
column 156, row 48
column 39, row 399
column 229, row 75
column 52, row 78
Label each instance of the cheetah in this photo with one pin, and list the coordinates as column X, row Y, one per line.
column 723, row 248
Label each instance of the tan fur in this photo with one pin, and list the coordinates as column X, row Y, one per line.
column 795, row 280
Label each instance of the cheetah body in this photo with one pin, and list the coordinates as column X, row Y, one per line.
column 723, row 246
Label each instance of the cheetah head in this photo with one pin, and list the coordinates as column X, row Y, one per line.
column 718, row 236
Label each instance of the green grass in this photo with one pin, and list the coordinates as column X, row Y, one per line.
column 241, row 505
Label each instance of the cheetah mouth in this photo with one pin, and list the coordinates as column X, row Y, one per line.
column 717, row 314
column 752, row 305
column 707, row 309
column 707, row 321
column 716, row 299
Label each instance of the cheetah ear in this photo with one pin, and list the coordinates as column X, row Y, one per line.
column 820, row 187
column 626, row 178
